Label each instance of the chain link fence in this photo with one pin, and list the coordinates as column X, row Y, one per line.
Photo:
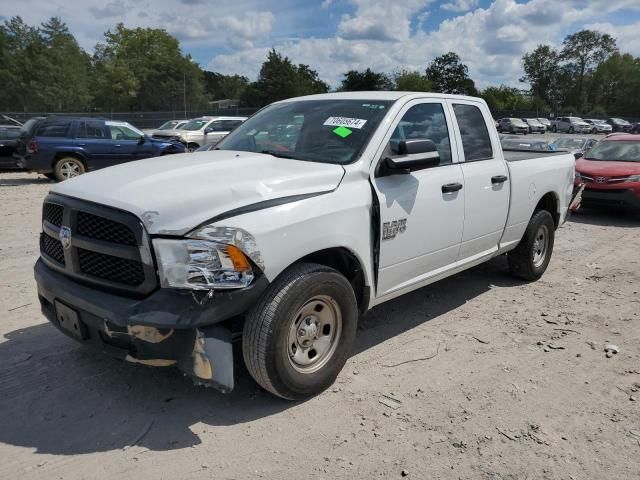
column 141, row 119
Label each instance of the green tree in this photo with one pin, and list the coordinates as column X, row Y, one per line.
column 448, row 74
column 584, row 51
column 279, row 79
column 615, row 85
column 22, row 72
column 368, row 80
column 66, row 68
column 542, row 71
column 506, row 99
column 224, row 87
column 144, row 69
column 408, row 81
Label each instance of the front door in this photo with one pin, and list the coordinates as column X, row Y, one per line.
column 126, row 144
column 422, row 213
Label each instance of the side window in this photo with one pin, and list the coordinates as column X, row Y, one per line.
column 476, row 141
column 94, row 130
column 217, row 126
column 424, row 121
column 230, row 125
column 120, row 132
column 57, row 129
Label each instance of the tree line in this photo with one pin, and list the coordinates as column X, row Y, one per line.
column 42, row 68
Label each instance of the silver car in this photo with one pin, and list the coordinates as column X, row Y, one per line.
column 546, row 122
column 599, row 126
column 202, row 131
column 570, row 125
column 168, row 125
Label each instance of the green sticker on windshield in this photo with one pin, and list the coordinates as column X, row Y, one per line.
column 343, row 132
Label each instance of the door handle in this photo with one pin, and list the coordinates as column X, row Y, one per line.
column 117, row 145
column 451, row 187
column 81, row 144
column 499, row 179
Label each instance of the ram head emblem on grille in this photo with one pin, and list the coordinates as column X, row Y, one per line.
column 65, row 237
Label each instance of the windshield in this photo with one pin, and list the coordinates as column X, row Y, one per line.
column 533, row 121
column 619, row 121
column 518, row 122
column 327, row 131
column 619, row 151
column 170, row 125
column 196, row 124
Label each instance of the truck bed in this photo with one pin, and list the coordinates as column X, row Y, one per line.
column 517, row 155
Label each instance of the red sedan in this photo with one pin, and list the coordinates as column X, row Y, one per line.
column 611, row 172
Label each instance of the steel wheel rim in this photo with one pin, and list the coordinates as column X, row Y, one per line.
column 540, row 245
column 314, row 334
column 70, row 169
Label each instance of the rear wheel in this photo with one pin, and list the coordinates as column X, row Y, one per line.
column 68, row 167
column 298, row 338
column 531, row 257
column 571, row 130
column 192, row 147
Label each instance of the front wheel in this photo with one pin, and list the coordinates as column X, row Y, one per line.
column 571, row 130
column 68, row 167
column 298, row 338
column 531, row 257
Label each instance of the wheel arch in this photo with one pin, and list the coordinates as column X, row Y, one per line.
column 348, row 264
column 549, row 202
column 62, row 154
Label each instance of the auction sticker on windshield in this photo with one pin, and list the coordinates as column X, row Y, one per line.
column 357, row 123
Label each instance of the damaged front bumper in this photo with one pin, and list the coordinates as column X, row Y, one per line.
column 167, row 328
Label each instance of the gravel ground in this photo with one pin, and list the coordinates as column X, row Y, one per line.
column 478, row 376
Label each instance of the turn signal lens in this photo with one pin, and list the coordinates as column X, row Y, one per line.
column 239, row 260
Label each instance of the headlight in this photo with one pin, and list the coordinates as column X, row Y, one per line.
column 633, row 178
column 212, row 258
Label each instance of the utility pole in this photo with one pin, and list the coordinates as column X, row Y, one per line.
column 184, row 93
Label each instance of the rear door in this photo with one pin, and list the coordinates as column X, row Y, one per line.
column 92, row 137
column 215, row 131
column 486, row 181
column 421, row 213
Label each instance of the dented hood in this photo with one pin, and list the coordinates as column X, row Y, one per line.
column 176, row 193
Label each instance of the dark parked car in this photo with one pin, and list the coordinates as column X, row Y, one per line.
column 619, row 125
column 636, row 127
column 512, row 125
column 8, row 139
column 64, row 147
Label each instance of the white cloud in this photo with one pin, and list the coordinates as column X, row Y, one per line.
column 380, row 19
column 491, row 41
column 459, row 5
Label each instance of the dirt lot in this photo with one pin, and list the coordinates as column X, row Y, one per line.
column 479, row 376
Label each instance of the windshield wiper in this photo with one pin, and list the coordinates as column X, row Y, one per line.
column 274, row 153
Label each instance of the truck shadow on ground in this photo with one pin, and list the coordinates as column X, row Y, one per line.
column 18, row 182
column 59, row 398
column 607, row 217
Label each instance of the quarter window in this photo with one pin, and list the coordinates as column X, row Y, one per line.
column 476, row 141
column 57, row 129
column 425, row 121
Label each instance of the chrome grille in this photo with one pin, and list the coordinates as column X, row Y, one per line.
column 107, row 247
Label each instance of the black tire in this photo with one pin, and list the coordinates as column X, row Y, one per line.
column 68, row 167
column 192, row 147
column 554, row 129
column 524, row 260
column 571, row 130
column 267, row 331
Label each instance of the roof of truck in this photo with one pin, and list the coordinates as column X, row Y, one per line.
column 380, row 95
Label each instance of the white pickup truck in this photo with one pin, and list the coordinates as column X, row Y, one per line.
column 310, row 213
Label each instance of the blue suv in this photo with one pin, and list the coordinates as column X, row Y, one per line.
column 65, row 147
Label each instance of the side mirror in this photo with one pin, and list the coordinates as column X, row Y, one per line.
column 208, row 130
column 578, row 155
column 416, row 154
column 142, row 139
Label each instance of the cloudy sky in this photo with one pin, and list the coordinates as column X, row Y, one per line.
column 333, row 36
